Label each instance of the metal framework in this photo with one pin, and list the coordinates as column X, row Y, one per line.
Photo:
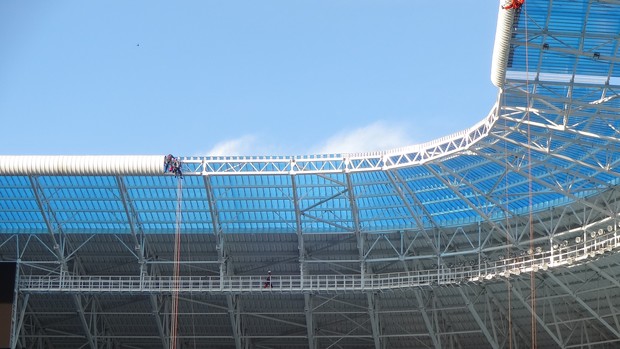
column 473, row 240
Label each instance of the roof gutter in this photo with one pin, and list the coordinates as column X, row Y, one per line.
column 501, row 50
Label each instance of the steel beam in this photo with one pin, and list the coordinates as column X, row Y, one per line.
column 18, row 319
column 543, row 183
column 77, row 300
column 356, row 223
column 372, row 306
column 298, row 229
column 375, row 323
column 540, row 321
column 602, row 273
column 473, row 206
column 310, row 325
column 137, row 234
column 501, row 307
column 394, row 177
column 47, row 214
column 427, row 321
column 269, row 165
column 474, row 313
column 161, row 330
column 49, row 217
column 308, row 298
column 611, row 329
column 218, row 231
column 234, row 313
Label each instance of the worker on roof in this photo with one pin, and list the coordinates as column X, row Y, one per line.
column 268, row 283
column 176, row 168
column 515, row 4
column 168, row 163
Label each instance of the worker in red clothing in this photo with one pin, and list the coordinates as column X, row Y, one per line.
column 515, row 4
column 268, row 283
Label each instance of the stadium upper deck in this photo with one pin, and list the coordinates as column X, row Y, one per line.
column 529, row 191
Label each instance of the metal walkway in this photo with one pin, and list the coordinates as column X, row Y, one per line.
column 585, row 248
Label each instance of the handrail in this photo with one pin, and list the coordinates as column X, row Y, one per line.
column 601, row 242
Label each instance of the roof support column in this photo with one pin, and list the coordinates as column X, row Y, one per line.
column 233, row 301
column 18, row 320
column 308, row 298
column 310, row 325
column 357, row 227
column 427, row 321
column 372, row 301
column 77, row 300
column 373, row 312
column 138, row 238
column 299, row 230
column 161, row 329
column 234, row 313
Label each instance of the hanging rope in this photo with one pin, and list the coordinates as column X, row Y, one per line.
column 529, row 180
column 508, row 162
column 177, row 265
column 517, row 6
column 191, row 297
column 509, row 250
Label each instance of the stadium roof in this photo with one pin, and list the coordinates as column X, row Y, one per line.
column 393, row 249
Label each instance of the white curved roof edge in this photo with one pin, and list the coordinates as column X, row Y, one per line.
column 501, row 50
column 81, row 165
column 133, row 165
column 442, row 148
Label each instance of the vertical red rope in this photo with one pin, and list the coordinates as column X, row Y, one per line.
column 529, row 180
column 509, row 250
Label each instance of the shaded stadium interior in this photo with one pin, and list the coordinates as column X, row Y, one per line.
column 504, row 235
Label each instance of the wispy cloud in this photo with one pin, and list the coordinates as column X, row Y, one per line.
column 373, row 137
column 245, row 145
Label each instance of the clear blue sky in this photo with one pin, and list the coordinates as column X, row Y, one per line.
column 240, row 77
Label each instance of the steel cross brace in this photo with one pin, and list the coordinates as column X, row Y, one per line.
column 49, row 217
column 611, row 329
column 540, row 321
column 479, row 321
